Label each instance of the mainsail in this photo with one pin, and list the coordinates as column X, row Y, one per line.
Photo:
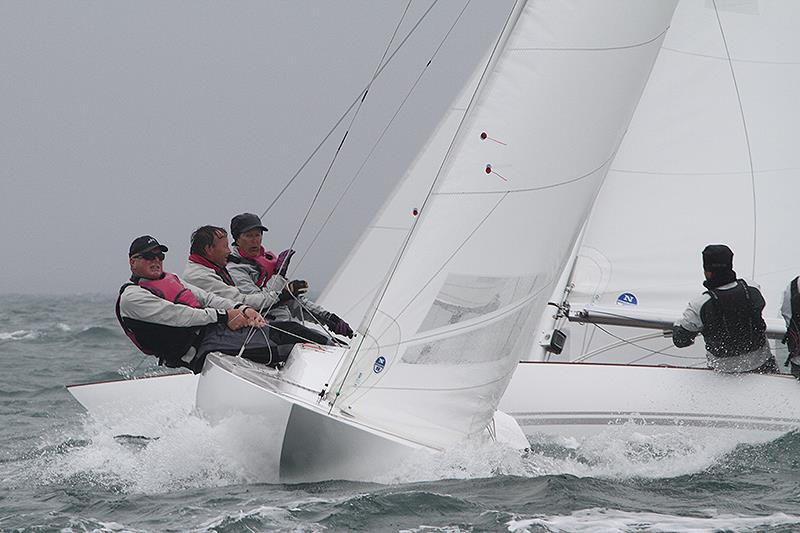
column 471, row 272
column 707, row 159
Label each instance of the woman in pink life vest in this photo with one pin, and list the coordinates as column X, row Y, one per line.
column 254, row 269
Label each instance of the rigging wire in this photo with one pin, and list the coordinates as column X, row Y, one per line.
column 383, row 133
column 360, row 101
column 404, row 247
column 360, row 96
column 650, row 351
column 744, row 128
column 347, row 131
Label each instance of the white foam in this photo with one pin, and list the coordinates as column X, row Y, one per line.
column 183, row 451
column 63, row 327
column 20, row 334
column 622, row 452
column 612, row 520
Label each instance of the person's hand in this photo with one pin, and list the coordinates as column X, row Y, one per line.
column 339, row 326
column 282, row 264
column 253, row 317
column 236, row 319
column 293, row 290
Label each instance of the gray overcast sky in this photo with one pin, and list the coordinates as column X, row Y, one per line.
column 125, row 118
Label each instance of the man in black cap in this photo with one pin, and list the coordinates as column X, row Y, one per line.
column 728, row 315
column 180, row 323
column 256, row 270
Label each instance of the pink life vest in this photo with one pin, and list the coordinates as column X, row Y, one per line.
column 265, row 262
column 170, row 288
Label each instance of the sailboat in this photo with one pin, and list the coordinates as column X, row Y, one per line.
column 708, row 158
column 500, row 215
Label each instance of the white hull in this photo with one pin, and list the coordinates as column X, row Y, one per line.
column 580, row 400
column 304, row 442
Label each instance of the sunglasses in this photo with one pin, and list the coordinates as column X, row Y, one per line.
column 149, row 256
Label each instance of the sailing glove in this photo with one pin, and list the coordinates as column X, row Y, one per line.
column 339, row 326
column 294, row 289
column 282, row 264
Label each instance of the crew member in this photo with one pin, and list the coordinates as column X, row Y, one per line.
column 728, row 315
column 790, row 309
column 206, row 269
column 180, row 323
column 252, row 268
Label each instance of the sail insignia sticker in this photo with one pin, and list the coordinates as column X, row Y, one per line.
column 379, row 365
column 627, row 298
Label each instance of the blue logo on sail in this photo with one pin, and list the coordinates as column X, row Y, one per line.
column 627, row 298
column 379, row 365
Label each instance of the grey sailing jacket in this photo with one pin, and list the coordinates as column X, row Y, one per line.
column 245, row 276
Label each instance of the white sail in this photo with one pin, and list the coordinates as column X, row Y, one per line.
column 709, row 158
column 492, row 237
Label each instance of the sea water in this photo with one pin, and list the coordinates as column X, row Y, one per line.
column 61, row 470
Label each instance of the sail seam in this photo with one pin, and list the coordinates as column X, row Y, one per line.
column 746, row 134
column 666, row 173
column 531, row 189
column 713, row 56
column 598, row 49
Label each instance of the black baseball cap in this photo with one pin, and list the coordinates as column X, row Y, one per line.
column 145, row 243
column 717, row 257
column 244, row 223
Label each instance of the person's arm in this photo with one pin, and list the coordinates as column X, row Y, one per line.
column 209, row 281
column 141, row 304
column 208, row 299
column 786, row 304
column 242, row 278
column 689, row 325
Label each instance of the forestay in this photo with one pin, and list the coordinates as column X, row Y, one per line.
column 711, row 157
column 523, row 164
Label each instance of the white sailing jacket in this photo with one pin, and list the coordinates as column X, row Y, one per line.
column 208, row 280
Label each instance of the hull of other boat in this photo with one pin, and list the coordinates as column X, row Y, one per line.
column 581, row 400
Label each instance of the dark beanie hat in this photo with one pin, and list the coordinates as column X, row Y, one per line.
column 244, row 223
column 717, row 257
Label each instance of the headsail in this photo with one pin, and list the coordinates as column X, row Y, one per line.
column 707, row 159
column 505, row 206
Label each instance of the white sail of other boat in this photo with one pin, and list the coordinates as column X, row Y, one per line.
column 709, row 158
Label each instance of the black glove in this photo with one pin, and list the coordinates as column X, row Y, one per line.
column 339, row 326
column 282, row 264
column 293, row 289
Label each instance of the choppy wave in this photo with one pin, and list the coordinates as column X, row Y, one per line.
column 62, row 332
column 611, row 520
